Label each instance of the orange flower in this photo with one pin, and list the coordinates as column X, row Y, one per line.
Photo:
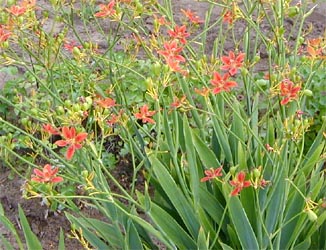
column 203, row 91
column 239, row 183
column 232, row 62
column 178, row 102
column 4, row 35
column 172, row 51
column 179, row 33
column 106, row 103
column 288, row 91
column 192, row 16
column 221, row 83
column 106, row 10
column 161, row 20
column 72, row 139
column 17, row 10
column 171, row 55
column 212, row 174
column 315, row 47
column 70, row 45
column 228, row 17
column 48, row 175
column 50, row 130
column 145, row 115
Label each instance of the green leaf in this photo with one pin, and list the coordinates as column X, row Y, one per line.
column 303, row 245
column 205, row 154
column 212, row 206
column 295, row 205
column 171, row 228
column 5, row 243
column 31, row 240
column 133, row 240
column 192, row 163
column 202, row 242
column 225, row 247
column 274, row 207
column 61, row 240
column 7, row 224
column 241, row 224
column 178, row 199
column 91, row 236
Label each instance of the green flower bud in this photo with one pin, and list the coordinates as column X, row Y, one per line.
column 244, row 72
column 311, row 215
column 233, row 170
column 76, row 107
column 301, row 40
column 262, row 83
column 308, row 92
column 24, row 121
column 256, row 58
column 256, row 172
column 156, row 68
column 76, row 52
column 60, row 110
column 89, row 100
column 293, row 11
column 67, row 103
column 34, row 111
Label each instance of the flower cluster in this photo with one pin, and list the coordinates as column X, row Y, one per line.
column 238, row 181
column 231, row 64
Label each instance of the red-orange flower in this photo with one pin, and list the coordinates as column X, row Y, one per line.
column 288, row 91
column 17, row 10
column 171, row 55
column 192, row 16
column 70, row 45
column 71, row 139
column 145, row 115
column 232, row 62
column 48, row 128
column 180, row 33
column 212, row 174
column 106, row 102
column 4, row 35
column 47, row 175
column 239, row 183
column 172, row 51
column 106, row 10
column 177, row 103
column 221, row 83
column 228, row 17
column 203, row 91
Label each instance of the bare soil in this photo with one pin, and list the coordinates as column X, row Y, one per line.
column 47, row 225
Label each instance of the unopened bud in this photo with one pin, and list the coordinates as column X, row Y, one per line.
column 312, row 216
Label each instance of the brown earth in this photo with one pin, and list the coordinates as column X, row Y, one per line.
column 46, row 225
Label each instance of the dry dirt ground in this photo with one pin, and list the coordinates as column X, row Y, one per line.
column 47, row 228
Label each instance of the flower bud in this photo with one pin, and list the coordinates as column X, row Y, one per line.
column 60, row 110
column 233, row 170
column 244, row 72
column 24, row 121
column 256, row 172
column 76, row 52
column 76, row 107
column 308, row 92
column 293, row 11
column 67, row 103
column 311, row 215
